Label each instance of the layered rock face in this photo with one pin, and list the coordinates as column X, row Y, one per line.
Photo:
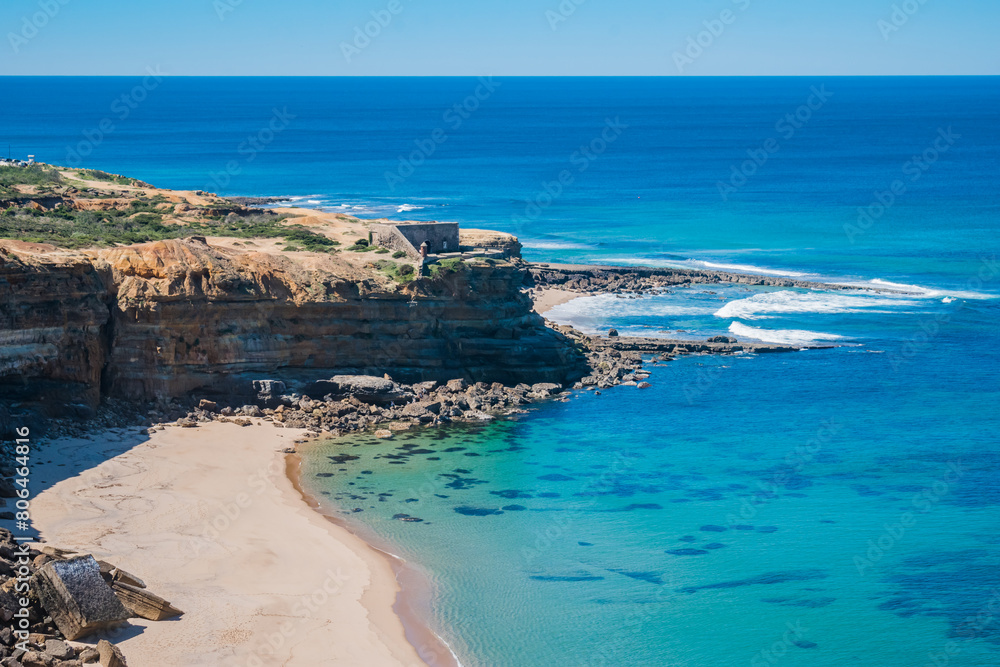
column 54, row 321
column 168, row 318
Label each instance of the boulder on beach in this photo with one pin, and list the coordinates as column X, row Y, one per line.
column 366, row 388
column 422, row 409
column 110, row 655
column 77, row 597
column 144, row 604
column 545, row 388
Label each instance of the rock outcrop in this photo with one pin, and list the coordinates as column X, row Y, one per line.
column 167, row 318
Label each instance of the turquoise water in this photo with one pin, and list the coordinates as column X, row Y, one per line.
column 690, row 523
column 559, row 538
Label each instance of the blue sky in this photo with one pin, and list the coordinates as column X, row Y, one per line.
column 500, row 37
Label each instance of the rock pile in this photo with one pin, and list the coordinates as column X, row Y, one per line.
column 640, row 279
column 380, row 402
column 50, row 596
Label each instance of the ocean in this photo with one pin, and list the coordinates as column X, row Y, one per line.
column 834, row 506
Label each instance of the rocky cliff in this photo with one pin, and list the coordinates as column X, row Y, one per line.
column 171, row 318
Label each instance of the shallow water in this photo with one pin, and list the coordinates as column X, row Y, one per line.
column 850, row 492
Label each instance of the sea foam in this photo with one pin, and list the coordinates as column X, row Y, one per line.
column 782, row 336
column 772, row 304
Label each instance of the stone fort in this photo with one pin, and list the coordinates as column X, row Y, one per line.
column 440, row 237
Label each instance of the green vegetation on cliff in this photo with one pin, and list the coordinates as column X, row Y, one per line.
column 142, row 222
column 401, row 273
column 97, row 175
column 36, row 174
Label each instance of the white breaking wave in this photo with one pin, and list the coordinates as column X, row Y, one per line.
column 748, row 268
column 408, row 207
column 603, row 306
column 772, row 304
column 782, row 336
column 701, row 264
column 917, row 291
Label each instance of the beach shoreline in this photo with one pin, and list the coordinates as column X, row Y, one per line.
column 414, row 590
column 211, row 519
column 546, row 299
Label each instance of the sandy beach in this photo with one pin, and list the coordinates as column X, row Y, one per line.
column 547, row 299
column 209, row 519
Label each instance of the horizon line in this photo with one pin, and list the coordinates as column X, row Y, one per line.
column 521, row 76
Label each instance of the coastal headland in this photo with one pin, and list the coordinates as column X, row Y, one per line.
column 212, row 336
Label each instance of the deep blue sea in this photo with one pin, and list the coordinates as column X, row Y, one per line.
column 827, row 507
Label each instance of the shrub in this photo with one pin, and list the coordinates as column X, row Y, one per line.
column 406, row 270
column 398, row 254
column 97, row 175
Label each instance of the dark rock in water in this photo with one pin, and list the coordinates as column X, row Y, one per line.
column 827, row 521
column 715, row 545
column 689, row 538
column 585, row 544
column 686, row 552
column 586, row 577
column 767, row 529
column 796, row 495
column 556, row 477
column 722, row 339
column 805, row 644
column 455, row 449
column 511, row 494
column 762, row 580
column 412, row 500
column 547, row 494
column 514, row 508
column 648, row 577
column 612, row 333
column 637, row 506
column 475, row 511
column 713, row 529
column 324, row 474
column 742, row 527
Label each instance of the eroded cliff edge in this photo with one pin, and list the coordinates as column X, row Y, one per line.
column 170, row 318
